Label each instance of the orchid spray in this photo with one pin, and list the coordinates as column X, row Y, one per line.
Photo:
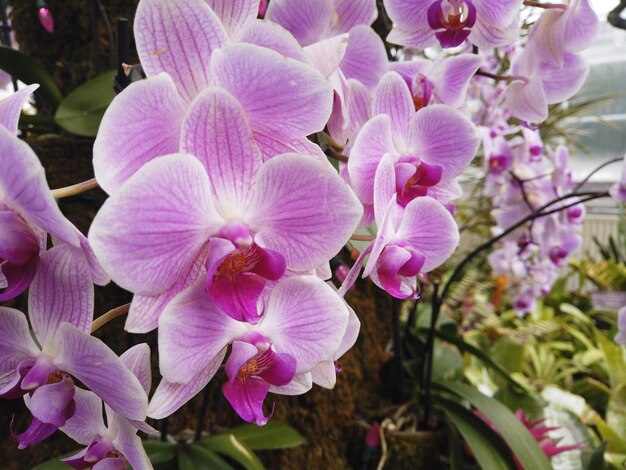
column 252, row 153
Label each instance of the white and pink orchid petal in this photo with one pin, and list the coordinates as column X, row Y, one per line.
column 327, row 54
column 560, row 84
column 446, row 191
column 324, row 374
column 303, row 210
column 169, row 396
column 546, row 36
column 419, row 37
column 305, row 318
column 441, row 135
column 430, row 229
column 527, row 101
column 23, row 187
column 61, row 291
column 129, row 444
column 98, row 276
column 582, row 26
column 270, row 146
column 150, row 232
column 384, row 236
column 485, row 35
column 384, row 189
column 452, row 77
column 408, row 12
column 137, row 359
column 215, row 131
column 351, row 13
column 308, row 20
column 144, row 312
column 192, row 332
column 234, row 15
column 11, row 107
column 371, row 144
column 163, row 33
column 365, row 58
column 16, row 345
column 86, row 424
column 393, row 98
column 142, row 123
column 359, row 106
column 94, row 364
column 410, row 68
column 299, row 385
column 498, row 14
column 351, row 334
column 286, row 99
column 271, row 36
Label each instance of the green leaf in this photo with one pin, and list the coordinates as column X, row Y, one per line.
column 81, row 111
column 446, row 360
column 488, row 448
column 29, row 71
column 274, row 435
column 456, row 451
column 615, row 363
column 510, row 428
column 594, row 460
column 488, row 361
column 575, row 312
column 54, row 464
column 159, row 452
column 616, row 411
column 508, row 353
column 228, row 444
column 194, row 457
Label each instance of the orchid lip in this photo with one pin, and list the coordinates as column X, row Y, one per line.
column 237, row 277
column 452, row 21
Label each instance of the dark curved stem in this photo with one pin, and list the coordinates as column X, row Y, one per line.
column 203, row 409
column 397, row 347
column 411, row 320
column 332, row 153
column 438, row 300
column 428, row 359
column 164, row 428
column 588, row 177
column 458, row 271
column 614, row 17
column 498, row 78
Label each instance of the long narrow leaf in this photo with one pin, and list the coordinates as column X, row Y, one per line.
column 274, row 435
column 488, row 448
column 514, row 433
column 228, row 444
column 489, row 362
column 29, row 71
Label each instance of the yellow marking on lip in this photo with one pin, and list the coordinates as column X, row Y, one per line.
column 158, row 52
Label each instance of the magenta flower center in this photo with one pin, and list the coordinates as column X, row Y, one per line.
column 255, row 365
column 499, row 163
column 454, row 14
column 414, row 177
column 451, row 20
